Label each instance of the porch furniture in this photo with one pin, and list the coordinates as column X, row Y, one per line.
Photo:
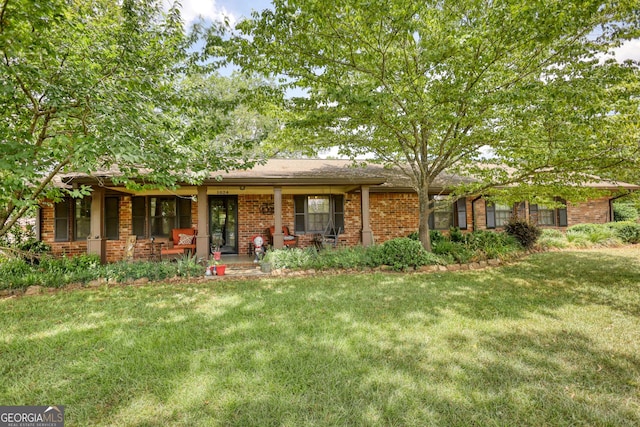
column 182, row 241
column 290, row 240
column 331, row 234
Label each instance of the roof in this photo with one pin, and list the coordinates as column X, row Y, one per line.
column 301, row 172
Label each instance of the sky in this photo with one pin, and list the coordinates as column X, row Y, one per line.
column 235, row 10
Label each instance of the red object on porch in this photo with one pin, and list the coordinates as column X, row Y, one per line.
column 178, row 243
column 290, row 240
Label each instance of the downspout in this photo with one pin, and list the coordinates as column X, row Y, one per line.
column 473, row 212
column 611, row 200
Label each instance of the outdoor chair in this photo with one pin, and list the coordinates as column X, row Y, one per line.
column 290, row 240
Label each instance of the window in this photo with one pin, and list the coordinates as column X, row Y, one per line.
column 82, row 224
column 543, row 215
column 111, row 217
column 72, row 217
column 446, row 214
column 442, row 213
column 162, row 214
column 314, row 213
column 498, row 215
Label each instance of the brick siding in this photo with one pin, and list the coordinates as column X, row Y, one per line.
column 391, row 214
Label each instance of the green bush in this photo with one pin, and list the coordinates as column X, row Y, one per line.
column 403, row 253
column 435, row 236
column 457, row 236
column 625, row 211
column 628, row 232
column 289, row 258
column 551, row 238
column 578, row 238
column 586, row 228
column 525, row 232
column 453, row 251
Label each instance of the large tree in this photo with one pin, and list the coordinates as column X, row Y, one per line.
column 89, row 85
column 457, row 86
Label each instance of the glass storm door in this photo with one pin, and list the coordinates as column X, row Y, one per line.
column 223, row 220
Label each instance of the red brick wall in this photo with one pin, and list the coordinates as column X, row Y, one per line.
column 392, row 215
column 594, row 211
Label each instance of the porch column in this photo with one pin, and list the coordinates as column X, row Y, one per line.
column 202, row 239
column 367, row 234
column 96, row 243
column 278, row 236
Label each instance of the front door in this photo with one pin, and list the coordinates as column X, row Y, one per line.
column 223, row 211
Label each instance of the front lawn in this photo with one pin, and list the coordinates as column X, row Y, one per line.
column 551, row 340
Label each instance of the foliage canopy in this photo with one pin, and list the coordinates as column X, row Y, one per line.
column 433, row 86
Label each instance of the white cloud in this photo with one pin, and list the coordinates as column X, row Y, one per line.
column 629, row 50
column 209, row 10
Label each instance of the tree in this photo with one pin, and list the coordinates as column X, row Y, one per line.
column 94, row 85
column 457, row 86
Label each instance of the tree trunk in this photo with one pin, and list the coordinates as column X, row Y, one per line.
column 423, row 228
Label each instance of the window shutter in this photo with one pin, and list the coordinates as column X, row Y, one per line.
column 338, row 211
column 111, row 217
column 491, row 215
column 533, row 213
column 299, row 203
column 521, row 210
column 138, row 216
column 184, row 213
column 461, row 209
column 61, row 215
column 562, row 214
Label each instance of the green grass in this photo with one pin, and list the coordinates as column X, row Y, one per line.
column 551, row 340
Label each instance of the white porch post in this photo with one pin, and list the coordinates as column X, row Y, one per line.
column 202, row 240
column 96, row 243
column 367, row 234
column 278, row 236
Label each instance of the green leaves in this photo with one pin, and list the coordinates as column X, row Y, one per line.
column 437, row 85
column 94, row 85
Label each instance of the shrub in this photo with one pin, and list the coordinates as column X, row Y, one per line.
column 455, row 235
column 551, row 238
column 402, row 253
column 289, row 258
column 628, row 232
column 624, row 211
column 586, row 228
column 435, row 236
column 578, row 238
column 525, row 232
column 453, row 251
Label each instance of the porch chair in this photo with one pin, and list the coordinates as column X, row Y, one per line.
column 290, row 240
column 182, row 241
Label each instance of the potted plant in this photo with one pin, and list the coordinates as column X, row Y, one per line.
column 215, row 268
column 216, row 242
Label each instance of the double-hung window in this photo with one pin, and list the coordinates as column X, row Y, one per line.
column 72, row 219
column 446, row 214
column 498, row 215
column 546, row 216
column 313, row 214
